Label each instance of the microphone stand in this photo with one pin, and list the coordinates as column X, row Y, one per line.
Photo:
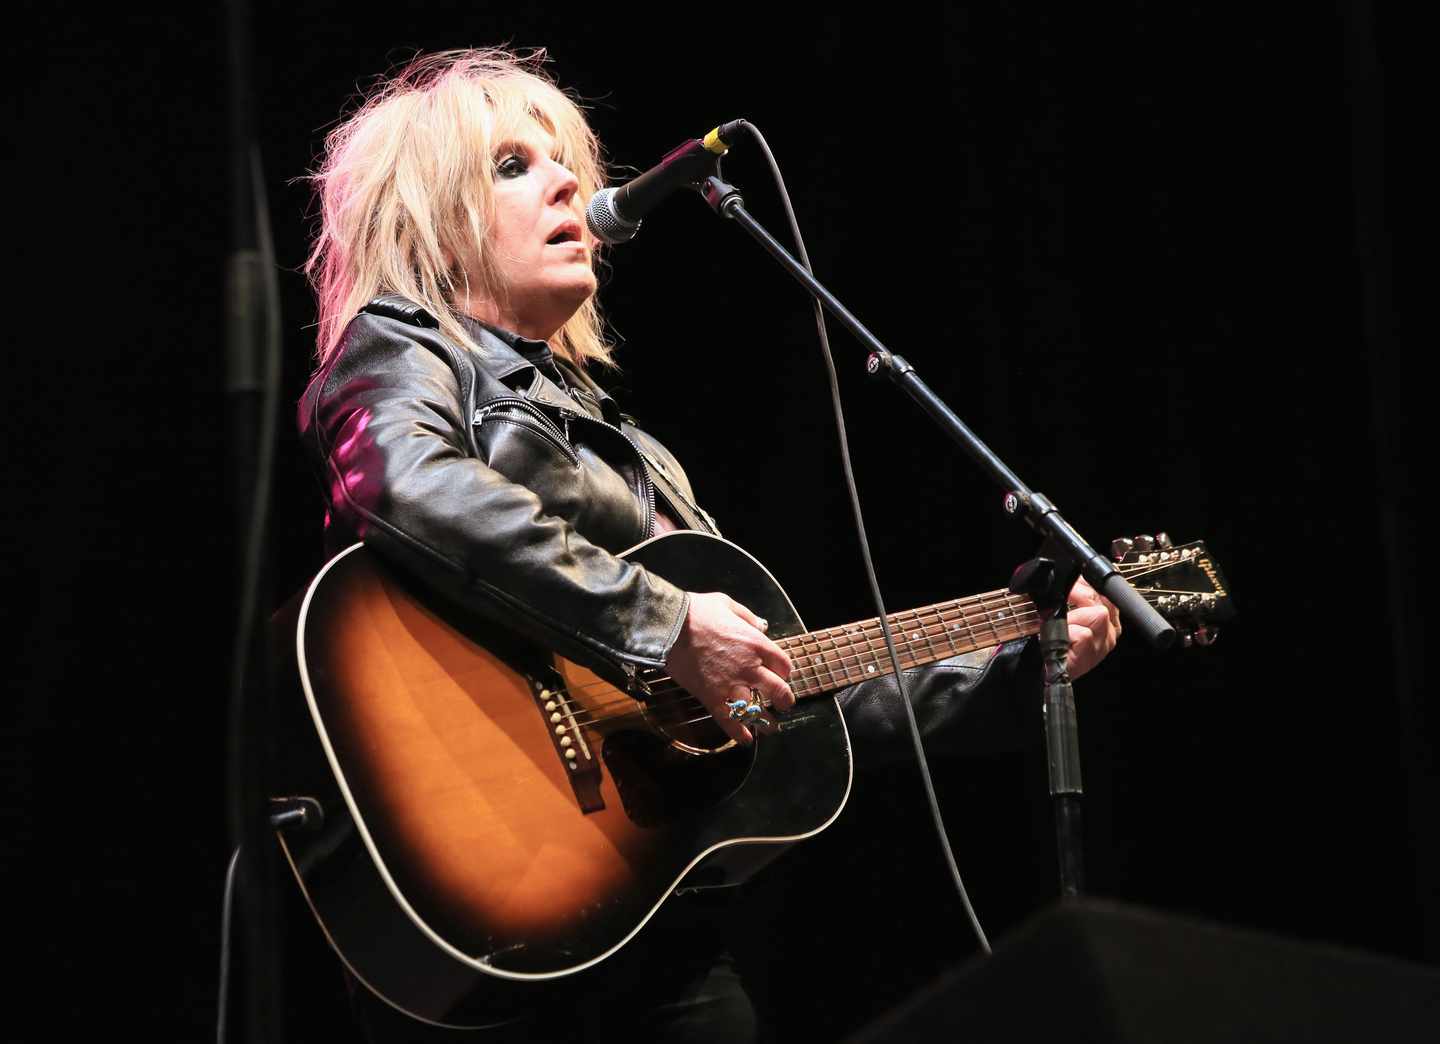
column 1046, row 579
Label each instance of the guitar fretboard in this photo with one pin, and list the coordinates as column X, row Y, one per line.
column 835, row 657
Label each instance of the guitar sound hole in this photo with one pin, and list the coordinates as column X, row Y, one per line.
column 683, row 721
column 659, row 783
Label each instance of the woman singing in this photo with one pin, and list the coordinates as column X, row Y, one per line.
column 460, row 433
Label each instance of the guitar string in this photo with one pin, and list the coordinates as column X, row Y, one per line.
column 842, row 667
column 847, row 645
column 1145, row 569
column 689, row 703
column 847, row 658
column 851, row 659
column 868, row 632
column 844, row 662
column 861, row 648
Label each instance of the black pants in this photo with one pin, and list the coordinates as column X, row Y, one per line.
column 674, row 983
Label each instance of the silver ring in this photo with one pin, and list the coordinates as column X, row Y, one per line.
column 738, row 709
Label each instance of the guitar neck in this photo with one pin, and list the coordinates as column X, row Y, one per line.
column 835, row 657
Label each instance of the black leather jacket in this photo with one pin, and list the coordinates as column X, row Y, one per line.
column 513, row 494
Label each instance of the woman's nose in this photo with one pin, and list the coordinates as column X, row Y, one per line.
column 564, row 185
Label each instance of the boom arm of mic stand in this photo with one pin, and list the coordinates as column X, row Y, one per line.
column 1020, row 501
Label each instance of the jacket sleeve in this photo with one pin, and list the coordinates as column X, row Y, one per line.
column 988, row 700
column 390, row 423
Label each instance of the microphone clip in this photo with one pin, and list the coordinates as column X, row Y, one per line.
column 722, row 196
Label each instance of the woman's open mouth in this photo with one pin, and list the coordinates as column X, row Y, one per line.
column 567, row 233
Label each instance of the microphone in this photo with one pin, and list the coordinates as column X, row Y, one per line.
column 614, row 214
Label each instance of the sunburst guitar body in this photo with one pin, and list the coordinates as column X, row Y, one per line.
column 495, row 816
column 494, row 820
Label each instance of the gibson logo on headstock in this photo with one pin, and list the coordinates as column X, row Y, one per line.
column 1204, row 564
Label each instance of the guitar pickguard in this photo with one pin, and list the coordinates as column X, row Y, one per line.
column 660, row 784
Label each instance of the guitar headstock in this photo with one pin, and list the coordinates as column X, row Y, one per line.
column 1184, row 583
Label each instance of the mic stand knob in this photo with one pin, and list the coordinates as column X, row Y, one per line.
column 722, row 196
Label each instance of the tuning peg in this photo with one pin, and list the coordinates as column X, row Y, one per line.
column 1162, row 541
column 1206, row 635
column 1144, row 543
column 1122, row 547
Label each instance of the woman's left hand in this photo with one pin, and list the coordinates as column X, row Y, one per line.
column 1094, row 629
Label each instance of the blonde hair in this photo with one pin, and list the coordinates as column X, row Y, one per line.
column 407, row 180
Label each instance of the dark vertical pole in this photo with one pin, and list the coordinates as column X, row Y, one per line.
column 252, row 366
column 1379, row 331
column 1062, row 742
column 1046, row 580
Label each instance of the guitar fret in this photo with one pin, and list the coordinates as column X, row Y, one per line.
column 918, row 635
column 1016, row 608
column 819, row 664
column 837, row 676
column 935, row 632
column 817, row 660
column 803, row 659
column 1003, row 620
column 856, row 671
column 834, row 664
column 835, row 657
column 950, row 627
column 827, row 661
column 925, row 634
column 995, row 615
column 969, row 607
column 947, row 644
column 990, row 617
column 870, row 658
column 875, row 656
column 878, row 651
column 970, row 630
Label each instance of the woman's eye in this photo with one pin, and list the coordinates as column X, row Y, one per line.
column 511, row 167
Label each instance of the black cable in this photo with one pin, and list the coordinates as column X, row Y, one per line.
column 251, row 617
column 227, row 904
column 252, row 386
column 865, row 542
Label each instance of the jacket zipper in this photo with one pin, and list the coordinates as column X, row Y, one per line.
column 547, row 426
column 644, row 468
column 672, row 492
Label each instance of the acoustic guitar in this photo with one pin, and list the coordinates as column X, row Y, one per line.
column 486, row 817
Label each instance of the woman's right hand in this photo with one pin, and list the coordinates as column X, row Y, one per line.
column 722, row 654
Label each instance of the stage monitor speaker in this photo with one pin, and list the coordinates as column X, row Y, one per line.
column 1098, row 972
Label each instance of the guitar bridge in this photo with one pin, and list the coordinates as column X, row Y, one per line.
column 581, row 760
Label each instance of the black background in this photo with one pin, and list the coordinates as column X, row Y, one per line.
column 1121, row 241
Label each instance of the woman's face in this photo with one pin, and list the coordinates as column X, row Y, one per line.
column 539, row 235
